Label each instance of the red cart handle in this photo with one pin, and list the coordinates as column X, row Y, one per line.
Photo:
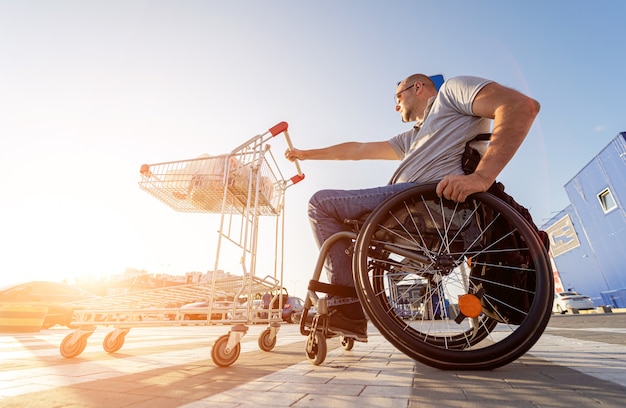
column 279, row 128
column 282, row 128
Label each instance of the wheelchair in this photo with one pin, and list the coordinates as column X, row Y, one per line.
column 456, row 286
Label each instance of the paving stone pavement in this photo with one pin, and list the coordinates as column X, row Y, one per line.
column 171, row 367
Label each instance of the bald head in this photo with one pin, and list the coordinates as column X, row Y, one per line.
column 421, row 78
column 412, row 96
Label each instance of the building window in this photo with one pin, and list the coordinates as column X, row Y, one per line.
column 606, row 200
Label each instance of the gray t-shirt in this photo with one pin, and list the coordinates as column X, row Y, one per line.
column 434, row 149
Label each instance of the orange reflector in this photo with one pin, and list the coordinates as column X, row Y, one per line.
column 470, row 305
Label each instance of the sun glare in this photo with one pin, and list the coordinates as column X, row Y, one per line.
column 57, row 238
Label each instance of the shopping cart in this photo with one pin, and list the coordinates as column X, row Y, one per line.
column 242, row 187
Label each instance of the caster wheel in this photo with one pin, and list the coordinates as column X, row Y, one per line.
column 316, row 353
column 266, row 343
column 70, row 348
column 347, row 343
column 113, row 343
column 221, row 356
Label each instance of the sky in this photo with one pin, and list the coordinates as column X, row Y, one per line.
column 89, row 91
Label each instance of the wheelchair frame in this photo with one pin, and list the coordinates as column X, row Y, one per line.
column 475, row 276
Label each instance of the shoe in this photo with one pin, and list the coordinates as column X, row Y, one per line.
column 340, row 325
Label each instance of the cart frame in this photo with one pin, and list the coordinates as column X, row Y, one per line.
column 242, row 187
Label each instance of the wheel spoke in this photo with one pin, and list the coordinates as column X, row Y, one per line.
column 417, row 253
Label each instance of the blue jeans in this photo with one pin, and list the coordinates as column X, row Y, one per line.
column 327, row 211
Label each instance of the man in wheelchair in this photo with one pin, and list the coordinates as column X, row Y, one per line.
column 446, row 119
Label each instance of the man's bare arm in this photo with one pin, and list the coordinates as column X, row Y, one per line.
column 513, row 114
column 347, row 151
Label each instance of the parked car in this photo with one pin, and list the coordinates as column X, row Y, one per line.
column 55, row 295
column 564, row 301
column 292, row 309
column 221, row 310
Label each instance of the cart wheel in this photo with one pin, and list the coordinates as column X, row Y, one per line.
column 318, row 348
column 221, row 356
column 70, row 348
column 347, row 343
column 111, row 343
column 266, row 342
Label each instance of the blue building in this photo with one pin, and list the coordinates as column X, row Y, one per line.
column 588, row 238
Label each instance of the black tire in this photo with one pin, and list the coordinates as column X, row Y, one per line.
column 418, row 246
column 347, row 343
column 220, row 356
column 317, row 354
column 293, row 318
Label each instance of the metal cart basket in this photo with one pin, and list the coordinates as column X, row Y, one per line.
column 241, row 186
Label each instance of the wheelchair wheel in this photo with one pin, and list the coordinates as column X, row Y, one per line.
column 453, row 285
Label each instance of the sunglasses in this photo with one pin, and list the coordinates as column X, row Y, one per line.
column 405, row 89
